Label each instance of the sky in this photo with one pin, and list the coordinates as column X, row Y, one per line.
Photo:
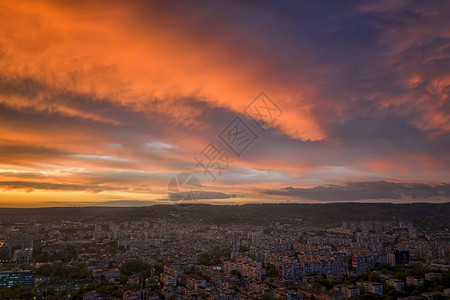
column 121, row 102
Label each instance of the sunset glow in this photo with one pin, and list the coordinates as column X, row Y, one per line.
column 102, row 103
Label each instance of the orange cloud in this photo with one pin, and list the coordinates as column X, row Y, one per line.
column 105, row 50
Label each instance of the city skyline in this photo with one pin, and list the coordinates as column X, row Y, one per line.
column 103, row 104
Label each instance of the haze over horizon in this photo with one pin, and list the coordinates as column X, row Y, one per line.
column 104, row 103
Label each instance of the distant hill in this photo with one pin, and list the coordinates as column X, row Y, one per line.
column 332, row 214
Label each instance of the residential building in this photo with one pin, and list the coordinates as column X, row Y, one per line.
column 22, row 278
column 416, row 281
column 398, row 284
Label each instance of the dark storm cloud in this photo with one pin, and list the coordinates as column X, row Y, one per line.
column 368, row 191
column 205, row 195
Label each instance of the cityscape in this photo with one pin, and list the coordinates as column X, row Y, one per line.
column 225, row 150
column 187, row 252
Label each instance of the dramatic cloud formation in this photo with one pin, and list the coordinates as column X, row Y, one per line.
column 106, row 102
column 368, row 191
